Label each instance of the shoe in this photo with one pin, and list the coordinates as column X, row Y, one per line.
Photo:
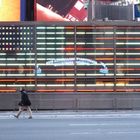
column 16, row 116
column 30, row 117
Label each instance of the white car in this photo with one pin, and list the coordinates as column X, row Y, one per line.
column 78, row 61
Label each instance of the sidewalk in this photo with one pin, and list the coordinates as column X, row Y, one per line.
column 74, row 114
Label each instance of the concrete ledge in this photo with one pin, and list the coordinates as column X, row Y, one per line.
column 73, row 101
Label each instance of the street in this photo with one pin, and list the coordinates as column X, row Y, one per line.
column 69, row 125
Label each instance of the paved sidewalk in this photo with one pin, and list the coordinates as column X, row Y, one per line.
column 73, row 114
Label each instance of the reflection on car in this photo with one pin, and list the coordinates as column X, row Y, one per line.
column 78, row 61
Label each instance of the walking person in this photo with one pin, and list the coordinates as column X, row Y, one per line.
column 24, row 104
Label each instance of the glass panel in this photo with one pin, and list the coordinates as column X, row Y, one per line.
column 95, row 54
column 16, row 57
column 127, row 59
column 55, row 54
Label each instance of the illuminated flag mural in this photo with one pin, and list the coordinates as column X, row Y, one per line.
column 16, row 38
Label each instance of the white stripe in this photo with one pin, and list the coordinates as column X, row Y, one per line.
column 104, row 124
column 101, row 132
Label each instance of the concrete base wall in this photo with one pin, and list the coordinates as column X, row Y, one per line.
column 73, row 101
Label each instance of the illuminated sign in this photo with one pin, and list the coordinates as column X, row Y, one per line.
column 66, row 10
column 10, row 10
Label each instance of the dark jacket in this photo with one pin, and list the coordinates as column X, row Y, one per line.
column 25, row 101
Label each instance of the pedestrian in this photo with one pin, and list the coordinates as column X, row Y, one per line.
column 24, row 104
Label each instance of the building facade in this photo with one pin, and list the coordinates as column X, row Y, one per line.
column 99, row 58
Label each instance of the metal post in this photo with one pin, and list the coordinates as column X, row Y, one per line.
column 88, row 6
